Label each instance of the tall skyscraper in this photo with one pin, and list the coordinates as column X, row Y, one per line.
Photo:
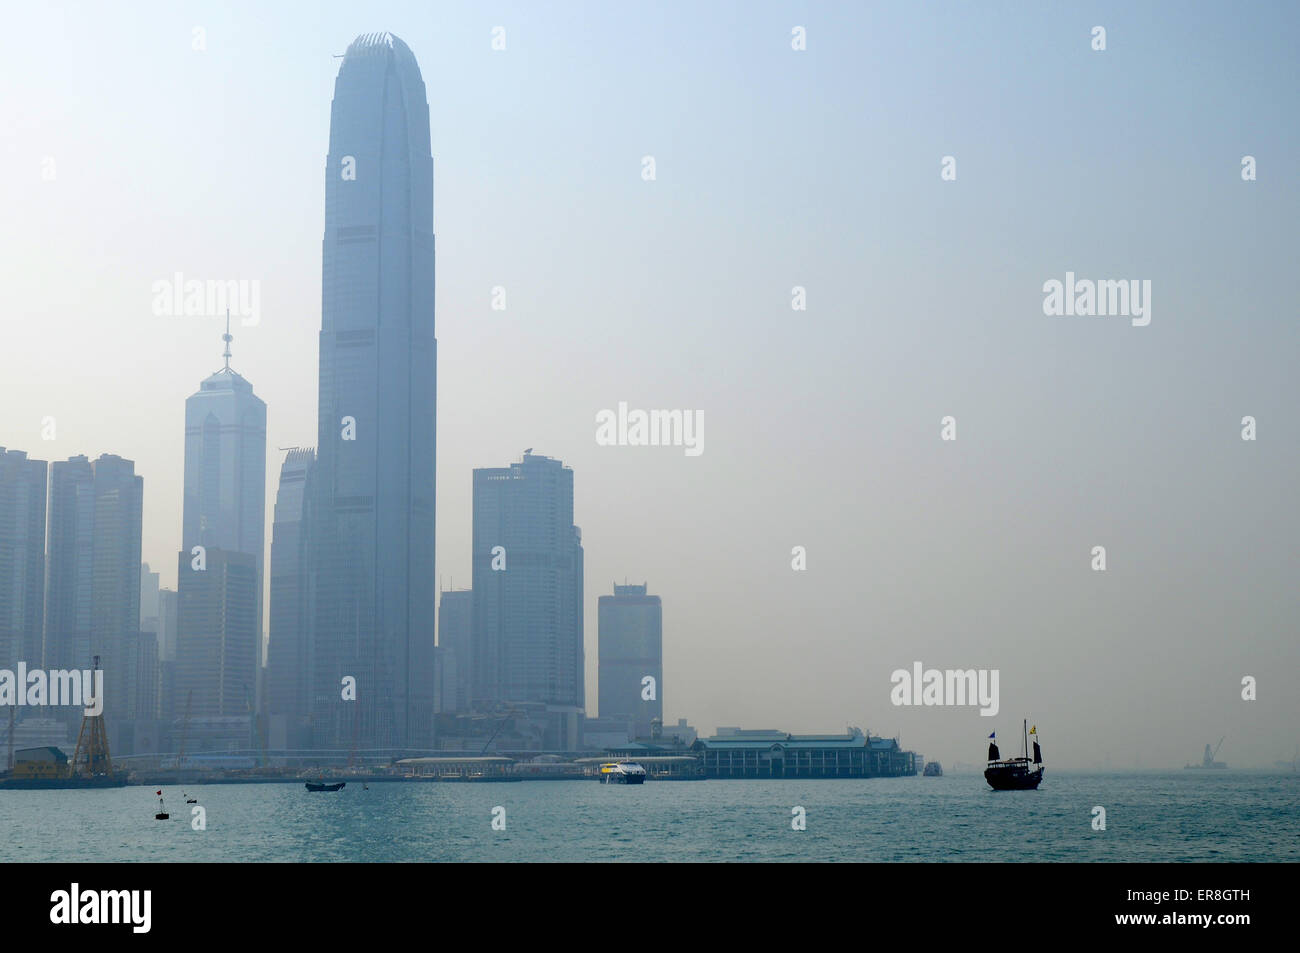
column 22, row 558
column 527, row 588
column 631, row 650
column 455, row 635
column 224, row 510
column 92, row 574
column 289, row 652
column 225, row 467
column 373, row 522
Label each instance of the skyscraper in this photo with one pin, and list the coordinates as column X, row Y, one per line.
column 219, row 608
column 289, row 652
column 455, row 635
column 527, row 566
column 225, row 468
column 22, row 558
column 631, row 651
column 373, row 522
column 92, row 575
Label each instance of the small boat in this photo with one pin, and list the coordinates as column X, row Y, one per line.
column 622, row 772
column 322, row 786
column 1015, row 774
column 933, row 769
column 162, row 815
column 191, row 800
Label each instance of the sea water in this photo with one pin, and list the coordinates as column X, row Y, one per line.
column 1177, row 816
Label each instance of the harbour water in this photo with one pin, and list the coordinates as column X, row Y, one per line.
column 1176, row 816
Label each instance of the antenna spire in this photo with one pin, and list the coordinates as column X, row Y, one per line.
column 227, row 337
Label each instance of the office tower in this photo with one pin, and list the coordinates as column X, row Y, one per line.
column 631, row 651
column 22, row 558
column 218, row 642
column 149, row 599
column 92, row 574
column 527, row 588
column 373, row 521
column 225, row 469
column 455, row 614
column 167, row 624
column 289, row 651
column 219, row 604
column 147, row 675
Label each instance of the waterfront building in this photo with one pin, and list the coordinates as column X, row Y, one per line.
column 741, row 753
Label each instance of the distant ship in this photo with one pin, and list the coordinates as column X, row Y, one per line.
column 1208, row 760
column 322, row 786
column 1015, row 774
column 622, row 772
column 933, row 769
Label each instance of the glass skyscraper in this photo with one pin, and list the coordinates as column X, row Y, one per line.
column 289, row 655
column 527, row 589
column 373, row 518
column 219, row 638
column 92, row 587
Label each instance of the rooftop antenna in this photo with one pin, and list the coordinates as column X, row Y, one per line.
column 227, row 337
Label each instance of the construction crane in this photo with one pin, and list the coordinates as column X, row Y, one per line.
column 509, row 713
column 1216, row 748
column 91, row 753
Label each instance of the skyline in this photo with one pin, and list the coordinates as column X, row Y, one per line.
column 1071, row 433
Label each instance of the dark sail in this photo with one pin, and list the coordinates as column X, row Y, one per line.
column 1038, row 754
column 993, row 751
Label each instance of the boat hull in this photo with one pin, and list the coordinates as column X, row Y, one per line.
column 1013, row 778
column 325, row 787
column 622, row 779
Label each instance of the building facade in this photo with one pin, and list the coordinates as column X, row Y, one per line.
column 92, row 579
column 527, row 587
column 218, row 641
column 289, row 657
column 373, row 516
column 455, row 635
column 22, row 559
column 631, row 658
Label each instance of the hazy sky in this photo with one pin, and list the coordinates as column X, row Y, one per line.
column 775, row 168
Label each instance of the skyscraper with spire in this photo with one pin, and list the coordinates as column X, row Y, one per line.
column 373, row 518
column 219, row 631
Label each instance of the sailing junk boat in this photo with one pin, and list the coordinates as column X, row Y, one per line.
column 1015, row 774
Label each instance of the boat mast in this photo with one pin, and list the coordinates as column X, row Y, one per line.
column 1025, row 727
